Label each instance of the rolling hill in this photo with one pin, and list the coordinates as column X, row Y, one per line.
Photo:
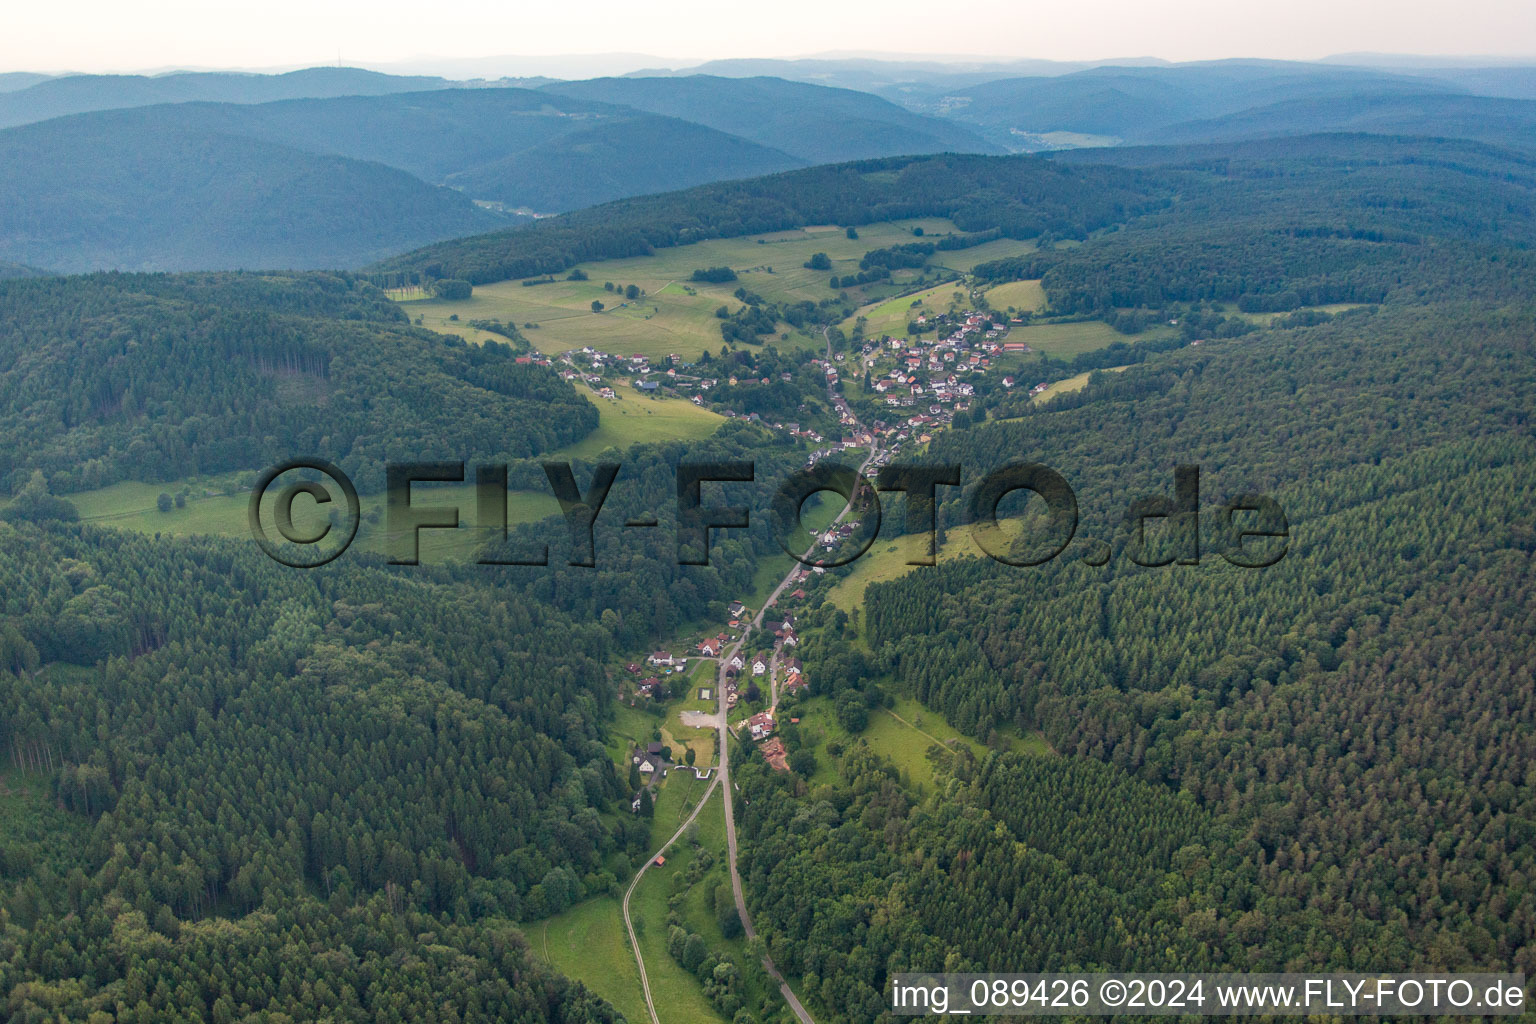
column 816, row 123
column 185, row 199
column 1136, row 103
column 1501, row 122
column 39, row 97
column 337, row 182
column 624, row 156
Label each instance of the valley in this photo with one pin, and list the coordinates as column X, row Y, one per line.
column 751, row 788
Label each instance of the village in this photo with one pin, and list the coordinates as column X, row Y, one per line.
column 756, row 684
column 944, row 366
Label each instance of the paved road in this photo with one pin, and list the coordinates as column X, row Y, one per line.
column 723, row 779
column 730, row 815
column 629, row 926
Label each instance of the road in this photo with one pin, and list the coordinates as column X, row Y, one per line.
column 629, row 925
column 723, row 775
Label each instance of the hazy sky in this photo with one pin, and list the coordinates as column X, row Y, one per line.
column 99, row 35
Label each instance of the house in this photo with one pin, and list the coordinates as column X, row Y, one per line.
column 647, row 768
column 735, row 609
column 709, row 648
column 660, row 860
column 759, row 665
column 760, row 725
column 661, row 658
column 647, row 385
column 632, row 669
column 793, row 681
column 735, row 662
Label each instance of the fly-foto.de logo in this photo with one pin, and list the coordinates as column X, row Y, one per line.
column 306, row 512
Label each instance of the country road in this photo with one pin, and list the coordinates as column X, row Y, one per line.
column 723, row 773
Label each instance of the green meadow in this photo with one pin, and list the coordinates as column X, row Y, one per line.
column 1019, row 295
column 588, row 943
column 1071, row 384
column 1065, row 340
column 218, row 505
column 676, row 314
column 891, row 316
column 634, row 418
column 887, row 559
column 903, row 734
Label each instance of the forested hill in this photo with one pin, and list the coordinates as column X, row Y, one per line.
column 174, row 198
column 820, row 124
column 1318, row 765
column 77, row 94
column 108, row 377
column 1023, row 197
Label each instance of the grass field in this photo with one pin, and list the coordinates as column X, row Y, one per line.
column 887, row 560
column 892, row 315
column 1063, row 341
column 679, row 736
column 132, row 506
column 588, row 943
column 1071, row 384
column 677, row 315
column 678, row 996
column 1265, row 319
column 633, row 419
column 903, row 734
column 1020, row 295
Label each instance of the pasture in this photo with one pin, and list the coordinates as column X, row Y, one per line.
column 676, row 314
column 902, row 734
column 1066, row 340
column 587, row 942
column 217, row 505
column 634, row 418
column 213, row 509
column 891, row 316
column 887, row 560
column 1071, row 384
column 1025, row 296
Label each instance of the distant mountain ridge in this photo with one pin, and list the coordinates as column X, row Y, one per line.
column 1137, row 103
column 1502, row 122
column 820, row 124
column 175, row 199
column 214, row 195
column 78, row 94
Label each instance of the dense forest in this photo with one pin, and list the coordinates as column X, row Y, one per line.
column 155, row 377
column 1322, row 764
column 1016, row 196
column 262, row 793
column 387, row 762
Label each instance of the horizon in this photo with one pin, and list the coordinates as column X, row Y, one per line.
column 595, row 64
column 94, row 37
